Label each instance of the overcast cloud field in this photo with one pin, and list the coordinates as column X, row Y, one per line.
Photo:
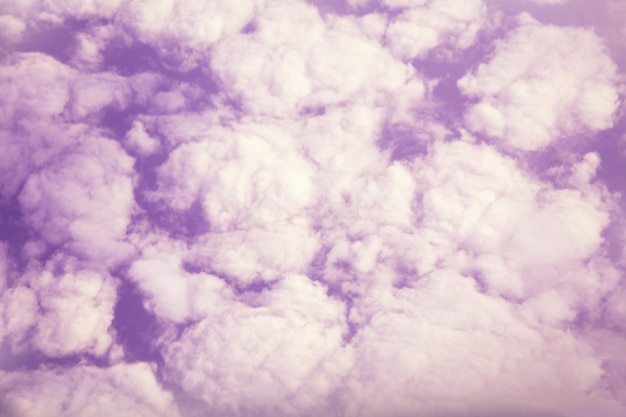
column 290, row 208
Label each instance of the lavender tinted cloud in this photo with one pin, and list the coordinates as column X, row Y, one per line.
column 290, row 208
column 543, row 82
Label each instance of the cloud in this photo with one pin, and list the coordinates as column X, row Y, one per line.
column 4, row 266
column 77, row 310
column 270, row 208
column 542, row 84
column 250, row 176
column 444, row 348
column 278, row 72
column 83, row 200
column 19, row 313
column 94, row 93
column 123, row 390
column 44, row 110
column 424, row 26
column 414, row 28
column 487, row 207
column 35, row 89
column 182, row 31
column 60, row 313
column 11, row 29
column 139, row 141
column 32, row 98
column 285, row 353
column 190, row 296
column 550, row 2
column 257, row 255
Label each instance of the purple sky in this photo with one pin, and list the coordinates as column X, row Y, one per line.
column 282, row 208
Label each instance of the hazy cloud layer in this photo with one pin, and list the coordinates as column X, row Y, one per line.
column 369, row 208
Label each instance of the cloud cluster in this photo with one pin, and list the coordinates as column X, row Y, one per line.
column 124, row 390
column 542, row 84
column 420, row 28
column 294, row 61
column 274, row 208
column 279, row 353
column 60, row 310
column 440, row 347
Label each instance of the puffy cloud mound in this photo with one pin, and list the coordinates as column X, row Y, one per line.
column 122, row 390
column 64, row 201
column 543, row 83
column 439, row 347
column 281, row 354
column 244, row 178
column 424, row 26
column 185, row 29
column 60, row 313
column 293, row 61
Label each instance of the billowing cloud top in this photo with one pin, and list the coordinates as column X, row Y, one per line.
column 363, row 208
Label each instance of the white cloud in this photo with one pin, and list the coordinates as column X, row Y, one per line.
column 42, row 98
column 285, row 67
column 247, row 177
column 75, row 313
column 19, row 314
column 416, row 27
column 183, row 30
column 544, row 82
column 284, row 355
column 137, row 140
column 392, row 4
column 121, row 390
column 342, row 143
column 92, row 93
column 81, row 8
column 4, row 265
column 251, row 256
column 422, row 27
column 83, row 200
column 60, row 310
column 34, row 85
column 11, row 29
column 440, row 347
column 190, row 296
column 35, row 89
column 481, row 203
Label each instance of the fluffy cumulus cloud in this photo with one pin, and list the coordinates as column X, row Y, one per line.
column 414, row 28
column 543, row 83
column 279, row 353
column 446, row 349
column 294, row 61
column 185, row 29
column 60, row 310
column 243, row 178
column 82, row 201
column 370, row 208
column 419, row 28
column 124, row 390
